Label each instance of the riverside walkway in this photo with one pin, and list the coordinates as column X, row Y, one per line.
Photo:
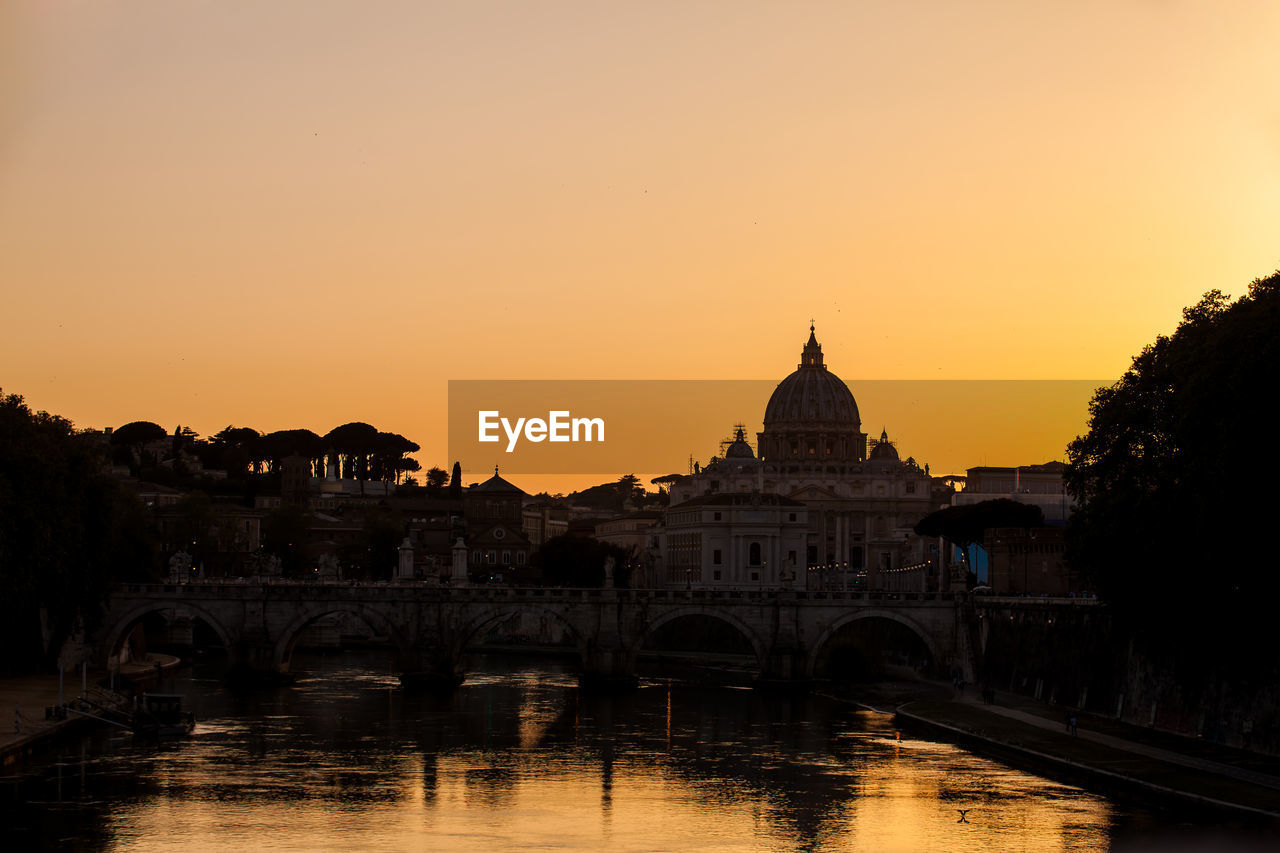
column 1173, row 767
column 22, row 701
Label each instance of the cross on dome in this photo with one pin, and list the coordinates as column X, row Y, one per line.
column 811, row 356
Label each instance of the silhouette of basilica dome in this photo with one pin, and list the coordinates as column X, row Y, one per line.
column 812, row 418
column 812, row 396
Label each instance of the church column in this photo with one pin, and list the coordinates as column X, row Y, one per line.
column 835, row 546
column 842, row 553
column 869, row 557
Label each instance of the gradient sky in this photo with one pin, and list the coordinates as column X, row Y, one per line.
column 300, row 213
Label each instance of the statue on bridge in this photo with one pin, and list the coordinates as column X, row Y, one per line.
column 180, row 567
column 329, row 570
column 272, row 567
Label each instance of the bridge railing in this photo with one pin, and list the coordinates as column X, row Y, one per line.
column 1034, row 601
column 239, row 589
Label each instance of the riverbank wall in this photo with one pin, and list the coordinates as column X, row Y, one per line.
column 1077, row 657
column 1099, row 762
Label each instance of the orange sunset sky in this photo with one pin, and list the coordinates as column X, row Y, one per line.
column 300, row 213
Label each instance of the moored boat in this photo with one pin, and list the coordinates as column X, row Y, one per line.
column 161, row 715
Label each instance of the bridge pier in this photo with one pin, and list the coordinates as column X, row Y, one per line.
column 607, row 671
column 431, row 671
column 608, row 666
column 254, row 662
column 784, row 669
column 784, row 665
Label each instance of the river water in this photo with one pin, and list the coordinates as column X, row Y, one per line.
column 519, row 759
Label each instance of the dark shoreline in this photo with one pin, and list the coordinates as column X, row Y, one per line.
column 1086, row 775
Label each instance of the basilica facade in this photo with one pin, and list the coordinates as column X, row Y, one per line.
column 858, row 500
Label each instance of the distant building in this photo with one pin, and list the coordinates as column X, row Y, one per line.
column 1037, row 485
column 862, row 501
column 542, row 522
column 228, row 534
column 295, row 480
column 495, row 539
column 736, row 540
column 433, row 525
column 1027, row 562
column 154, row 495
column 632, row 531
column 640, row 535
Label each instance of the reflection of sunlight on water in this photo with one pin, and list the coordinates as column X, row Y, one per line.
column 519, row 758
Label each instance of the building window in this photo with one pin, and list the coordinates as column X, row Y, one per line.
column 489, row 557
column 791, row 557
column 499, row 533
column 793, row 516
column 754, row 557
column 755, row 576
column 911, row 488
column 519, row 558
column 715, row 516
column 715, row 557
column 715, row 575
column 475, row 557
column 506, row 558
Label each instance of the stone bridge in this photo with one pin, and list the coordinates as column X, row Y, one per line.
column 431, row 627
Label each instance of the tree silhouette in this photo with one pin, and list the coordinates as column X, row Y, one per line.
column 965, row 524
column 275, row 446
column 67, row 531
column 388, row 458
column 579, row 561
column 355, row 443
column 1173, row 510
column 231, row 450
column 133, row 438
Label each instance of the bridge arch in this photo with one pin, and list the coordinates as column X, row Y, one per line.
column 492, row 615
column 721, row 615
column 282, row 651
column 921, row 632
column 119, row 627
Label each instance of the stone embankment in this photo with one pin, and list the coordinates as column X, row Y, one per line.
column 24, row 701
column 1104, row 751
column 26, row 728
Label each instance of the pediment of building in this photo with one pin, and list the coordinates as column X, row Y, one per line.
column 814, row 493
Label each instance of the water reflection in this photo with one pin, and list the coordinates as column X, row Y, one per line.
column 518, row 757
